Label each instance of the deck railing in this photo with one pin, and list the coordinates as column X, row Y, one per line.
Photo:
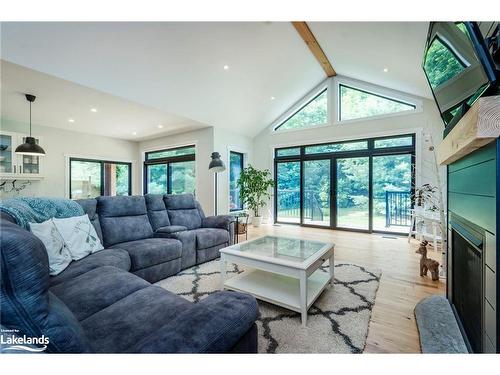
column 398, row 208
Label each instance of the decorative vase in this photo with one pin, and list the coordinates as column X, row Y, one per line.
column 256, row 221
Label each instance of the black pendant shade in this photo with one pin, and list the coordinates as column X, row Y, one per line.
column 30, row 147
column 216, row 164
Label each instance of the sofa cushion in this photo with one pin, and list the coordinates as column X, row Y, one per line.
column 97, row 289
column 209, row 237
column 108, row 257
column 179, row 201
column 151, row 251
column 127, row 322
column 157, row 212
column 25, row 301
column 171, row 229
column 90, row 208
column 215, row 325
column 123, row 219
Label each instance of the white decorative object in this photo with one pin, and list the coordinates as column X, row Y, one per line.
column 59, row 256
column 285, row 271
column 79, row 236
column 256, row 221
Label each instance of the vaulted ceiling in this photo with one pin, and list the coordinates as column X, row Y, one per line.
column 237, row 76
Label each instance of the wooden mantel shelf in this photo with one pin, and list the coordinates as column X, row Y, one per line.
column 479, row 126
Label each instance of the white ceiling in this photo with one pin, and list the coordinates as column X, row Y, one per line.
column 177, row 68
column 59, row 100
column 362, row 50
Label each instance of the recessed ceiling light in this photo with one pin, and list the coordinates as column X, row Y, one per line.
column 160, row 126
column 71, row 120
column 226, row 67
column 386, row 70
column 272, row 98
column 134, row 133
column 93, row 110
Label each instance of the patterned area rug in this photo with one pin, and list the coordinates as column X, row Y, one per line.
column 337, row 322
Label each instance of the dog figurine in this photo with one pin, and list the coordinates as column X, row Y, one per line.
column 426, row 263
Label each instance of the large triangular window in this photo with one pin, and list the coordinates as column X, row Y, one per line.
column 313, row 113
column 356, row 104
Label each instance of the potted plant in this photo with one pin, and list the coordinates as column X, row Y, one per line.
column 254, row 187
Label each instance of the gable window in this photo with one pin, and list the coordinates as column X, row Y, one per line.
column 89, row 178
column 235, row 169
column 313, row 113
column 355, row 104
column 170, row 171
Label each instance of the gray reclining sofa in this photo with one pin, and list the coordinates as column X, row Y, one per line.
column 105, row 302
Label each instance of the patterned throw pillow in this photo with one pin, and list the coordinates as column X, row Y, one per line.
column 79, row 236
column 59, row 256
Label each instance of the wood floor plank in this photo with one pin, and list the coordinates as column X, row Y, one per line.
column 392, row 328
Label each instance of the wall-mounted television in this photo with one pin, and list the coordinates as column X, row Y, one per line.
column 458, row 67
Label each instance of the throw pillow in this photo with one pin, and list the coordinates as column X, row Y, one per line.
column 59, row 256
column 79, row 236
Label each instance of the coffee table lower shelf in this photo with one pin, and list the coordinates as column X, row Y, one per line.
column 280, row 290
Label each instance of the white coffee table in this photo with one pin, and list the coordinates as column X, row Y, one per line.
column 282, row 271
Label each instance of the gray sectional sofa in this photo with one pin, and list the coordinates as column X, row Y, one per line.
column 105, row 303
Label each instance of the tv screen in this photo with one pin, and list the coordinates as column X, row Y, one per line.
column 458, row 67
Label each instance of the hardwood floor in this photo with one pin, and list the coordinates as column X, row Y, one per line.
column 392, row 327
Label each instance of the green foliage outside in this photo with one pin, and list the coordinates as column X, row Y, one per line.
column 183, row 179
column 254, row 185
column 356, row 104
column 441, row 64
column 314, row 113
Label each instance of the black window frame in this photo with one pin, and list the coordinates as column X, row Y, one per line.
column 276, row 128
column 168, row 161
column 101, row 162
column 242, row 166
column 370, row 93
column 369, row 152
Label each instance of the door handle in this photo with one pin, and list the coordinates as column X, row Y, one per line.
column 14, row 169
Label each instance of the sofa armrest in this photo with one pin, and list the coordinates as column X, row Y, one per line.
column 214, row 325
column 219, row 221
column 226, row 222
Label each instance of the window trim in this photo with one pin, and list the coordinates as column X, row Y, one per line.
column 301, row 104
column 369, row 152
column 242, row 164
column 101, row 162
column 168, row 161
column 352, row 87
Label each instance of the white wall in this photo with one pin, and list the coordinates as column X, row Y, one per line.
column 58, row 144
column 204, row 141
column 224, row 142
column 425, row 119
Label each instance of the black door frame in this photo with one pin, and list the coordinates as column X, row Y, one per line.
column 369, row 152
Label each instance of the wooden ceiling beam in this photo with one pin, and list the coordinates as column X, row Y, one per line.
column 309, row 38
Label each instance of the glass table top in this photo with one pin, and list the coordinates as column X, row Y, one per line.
column 289, row 249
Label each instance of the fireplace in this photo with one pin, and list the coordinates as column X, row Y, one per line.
column 466, row 287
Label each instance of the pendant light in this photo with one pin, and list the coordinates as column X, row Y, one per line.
column 30, row 147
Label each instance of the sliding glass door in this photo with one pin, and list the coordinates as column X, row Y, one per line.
column 352, row 198
column 316, row 192
column 392, row 186
column 288, row 192
column 363, row 185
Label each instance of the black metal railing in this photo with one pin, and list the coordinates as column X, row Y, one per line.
column 397, row 208
column 289, row 204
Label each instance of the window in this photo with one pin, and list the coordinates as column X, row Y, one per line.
column 364, row 184
column 288, row 151
column 312, row 114
column 170, row 171
column 441, row 63
column 394, row 142
column 356, row 103
column 336, row 147
column 235, row 169
column 93, row 178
